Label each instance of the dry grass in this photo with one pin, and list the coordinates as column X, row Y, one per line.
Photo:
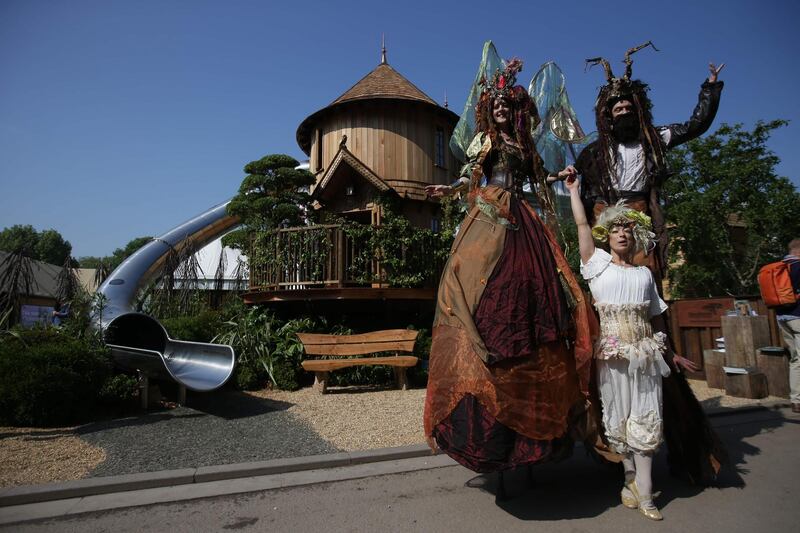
column 33, row 455
column 358, row 418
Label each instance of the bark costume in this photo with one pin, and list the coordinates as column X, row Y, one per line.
column 635, row 171
column 511, row 352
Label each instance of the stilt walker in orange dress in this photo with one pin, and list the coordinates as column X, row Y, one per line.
column 511, row 352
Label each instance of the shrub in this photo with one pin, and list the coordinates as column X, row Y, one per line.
column 201, row 327
column 119, row 390
column 49, row 378
column 362, row 375
column 265, row 348
column 286, row 375
column 246, row 377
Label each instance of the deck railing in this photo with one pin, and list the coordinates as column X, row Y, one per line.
column 330, row 256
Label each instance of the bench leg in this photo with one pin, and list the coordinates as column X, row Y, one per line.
column 144, row 389
column 182, row 395
column 321, row 381
column 401, row 378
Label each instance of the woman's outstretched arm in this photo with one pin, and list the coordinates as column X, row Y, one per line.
column 585, row 240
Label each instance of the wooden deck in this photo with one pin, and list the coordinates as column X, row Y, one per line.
column 327, row 262
column 339, row 293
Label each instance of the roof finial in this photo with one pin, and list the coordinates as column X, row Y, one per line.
column 383, row 49
column 445, row 99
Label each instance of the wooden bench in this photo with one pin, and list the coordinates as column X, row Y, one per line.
column 390, row 340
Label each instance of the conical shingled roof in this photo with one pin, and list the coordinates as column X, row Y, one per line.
column 384, row 82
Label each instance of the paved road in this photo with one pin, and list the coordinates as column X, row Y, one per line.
column 760, row 494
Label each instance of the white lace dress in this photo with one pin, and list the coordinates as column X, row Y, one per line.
column 629, row 355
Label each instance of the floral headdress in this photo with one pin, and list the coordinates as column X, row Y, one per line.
column 622, row 215
column 503, row 80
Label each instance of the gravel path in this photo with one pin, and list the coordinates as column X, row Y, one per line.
column 218, row 428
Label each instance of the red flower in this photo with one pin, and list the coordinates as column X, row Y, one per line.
column 502, row 82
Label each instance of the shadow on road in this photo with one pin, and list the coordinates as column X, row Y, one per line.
column 225, row 404
column 580, row 487
column 230, row 405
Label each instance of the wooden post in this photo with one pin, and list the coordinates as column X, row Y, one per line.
column 743, row 336
column 772, row 361
column 321, row 381
column 713, row 361
column 340, row 256
column 752, row 385
column 401, row 377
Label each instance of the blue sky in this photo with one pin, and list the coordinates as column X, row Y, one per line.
column 125, row 118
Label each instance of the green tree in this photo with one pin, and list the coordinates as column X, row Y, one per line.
column 730, row 212
column 52, row 248
column 120, row 254
column 48, row 245
column 20, row 238
column 273, row 194
column 103, row 266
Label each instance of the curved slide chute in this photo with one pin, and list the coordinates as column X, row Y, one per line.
column 139, row 342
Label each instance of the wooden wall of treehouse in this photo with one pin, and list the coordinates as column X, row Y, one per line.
column 396, row 139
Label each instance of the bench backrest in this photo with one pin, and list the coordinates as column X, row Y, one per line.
column 390, row 340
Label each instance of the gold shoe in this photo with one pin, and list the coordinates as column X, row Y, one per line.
column 628, row 499
column 644, row 502
column 649, row 509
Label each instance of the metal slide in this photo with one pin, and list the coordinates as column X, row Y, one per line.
column 139, row 342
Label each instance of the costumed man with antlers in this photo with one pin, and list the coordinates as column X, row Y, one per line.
column 628, row 160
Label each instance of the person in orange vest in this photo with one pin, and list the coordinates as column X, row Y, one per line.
column 789, row 323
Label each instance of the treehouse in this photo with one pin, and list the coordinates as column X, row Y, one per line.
column 383, row 138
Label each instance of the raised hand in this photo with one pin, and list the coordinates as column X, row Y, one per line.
column 569, row 174
column 714, row 71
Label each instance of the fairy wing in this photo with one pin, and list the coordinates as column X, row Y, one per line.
column 464, row 131
column 559, row 137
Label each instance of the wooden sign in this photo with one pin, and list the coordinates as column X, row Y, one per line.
column 705, row 313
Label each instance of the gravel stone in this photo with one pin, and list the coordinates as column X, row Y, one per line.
column 218, row 428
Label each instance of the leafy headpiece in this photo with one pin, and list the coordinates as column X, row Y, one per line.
column 622, row 215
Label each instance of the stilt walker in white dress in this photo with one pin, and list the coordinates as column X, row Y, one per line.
column 629, row 353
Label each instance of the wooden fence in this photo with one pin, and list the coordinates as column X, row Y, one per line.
column 696, row 323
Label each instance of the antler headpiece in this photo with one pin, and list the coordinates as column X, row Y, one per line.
column 616, row 88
